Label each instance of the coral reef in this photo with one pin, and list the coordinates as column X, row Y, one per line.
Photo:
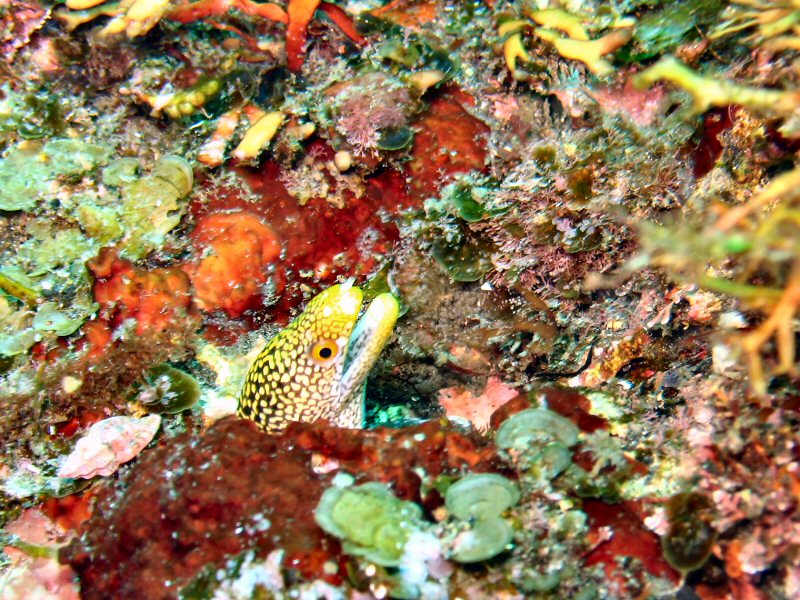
column 588, row 214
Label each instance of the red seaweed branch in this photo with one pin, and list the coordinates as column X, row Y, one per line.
column 195, row 11
column 297, row 17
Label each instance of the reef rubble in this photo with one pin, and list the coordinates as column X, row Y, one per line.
column 587, row 212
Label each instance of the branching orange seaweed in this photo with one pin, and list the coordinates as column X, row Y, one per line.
column 780, row 325
column 781, row 306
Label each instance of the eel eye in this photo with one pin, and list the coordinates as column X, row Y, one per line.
column 324, row 352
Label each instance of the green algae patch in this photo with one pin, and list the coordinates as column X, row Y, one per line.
column 485, row 539
column 168, row 390
column 30, row 172
column 152, row 204
column 370, row 520
column 15, row 335
column 465, row 261
column 481, row 496
column 478, row 501
column 665, row 29
column 32, row 114
column 121, row 171
column 34, row 176
column 147, row 209
column 533, row 424
column 50, row 317
column 75, row 209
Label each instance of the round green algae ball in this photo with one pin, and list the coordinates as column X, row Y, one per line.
column 370, row 520
column 533, row 424
column 481, row 496
column 486, row 538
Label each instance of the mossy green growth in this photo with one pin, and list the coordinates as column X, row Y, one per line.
column 149, row 211
column 58, row 178
column 121, row 171
column 149, row 208
column 671, row 25
column 370, row 520
column 31, row 114
column 405, row 51
column 30, row 171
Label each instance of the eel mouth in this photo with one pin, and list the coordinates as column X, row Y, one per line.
column 369, row 336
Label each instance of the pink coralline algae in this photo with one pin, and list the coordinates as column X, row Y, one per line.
column 477, row 409
column 29, row 577
column 109, row 444
column 640, row 106
column 194, row 503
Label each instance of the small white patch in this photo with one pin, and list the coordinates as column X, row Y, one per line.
column 375, row 311
column 71, row 384
column 349, row 303
column 326, row 312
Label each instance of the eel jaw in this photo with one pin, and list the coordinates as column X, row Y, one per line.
column 368, row 338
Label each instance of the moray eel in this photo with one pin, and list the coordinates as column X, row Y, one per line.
column 316, row 368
